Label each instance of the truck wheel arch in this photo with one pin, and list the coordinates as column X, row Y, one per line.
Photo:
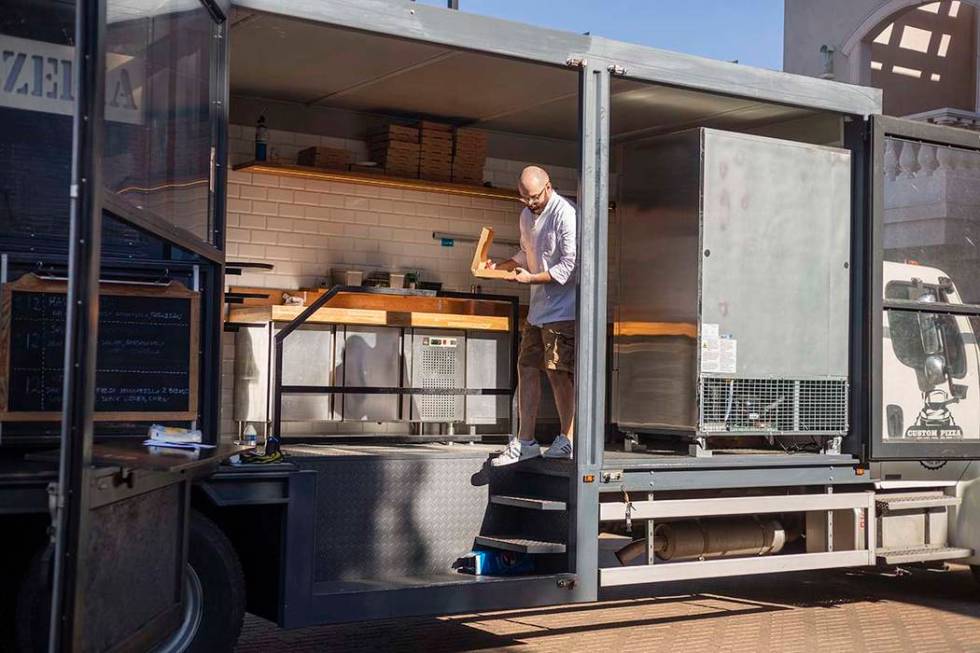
column 214, row 569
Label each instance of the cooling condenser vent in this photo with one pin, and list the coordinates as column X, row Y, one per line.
column 439, row 365
column 773, row 406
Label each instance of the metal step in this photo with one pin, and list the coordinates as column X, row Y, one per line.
column 913, row 501
column 906, row 555
column 520, row 544
column 546, row 467
column 528, row 503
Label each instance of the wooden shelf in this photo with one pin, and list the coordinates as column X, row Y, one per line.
column 367, row 179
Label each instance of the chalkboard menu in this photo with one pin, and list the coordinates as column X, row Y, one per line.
column 146, row 362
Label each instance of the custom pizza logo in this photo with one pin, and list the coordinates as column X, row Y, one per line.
column 935, row 420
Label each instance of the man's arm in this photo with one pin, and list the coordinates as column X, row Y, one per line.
column 523, row 276
column 519, row 264
column 567, row 244
column 563, row 270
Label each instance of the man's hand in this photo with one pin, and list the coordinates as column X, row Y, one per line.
column 523, row 276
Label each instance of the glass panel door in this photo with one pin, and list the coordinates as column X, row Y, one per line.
column 927, row 286
column 158, row 122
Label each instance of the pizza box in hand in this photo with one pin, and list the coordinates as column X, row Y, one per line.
column 479, row 266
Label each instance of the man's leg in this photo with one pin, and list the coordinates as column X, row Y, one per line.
column 559, row 357
column 529, row 362
column 564, row 388
column 528, row 400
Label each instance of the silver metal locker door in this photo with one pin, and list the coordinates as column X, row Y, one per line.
column 308, row 359
column 251, row 375
column 487, row 367
column 370, row 357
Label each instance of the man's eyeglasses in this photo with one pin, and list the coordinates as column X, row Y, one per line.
column 532, row 199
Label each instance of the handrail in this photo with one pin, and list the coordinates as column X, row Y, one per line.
column 275, row 437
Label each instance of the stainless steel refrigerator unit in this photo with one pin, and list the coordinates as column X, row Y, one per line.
column 351, row 356
column 731, row 290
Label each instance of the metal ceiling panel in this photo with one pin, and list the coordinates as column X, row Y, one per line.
column 642, row 109
column 452, row 28
column 470, row 87
column 286, row 59
column 557, row 118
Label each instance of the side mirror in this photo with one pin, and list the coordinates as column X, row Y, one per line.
column 929, row 333
column 934, row 369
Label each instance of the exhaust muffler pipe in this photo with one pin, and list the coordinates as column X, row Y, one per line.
column 710, row 538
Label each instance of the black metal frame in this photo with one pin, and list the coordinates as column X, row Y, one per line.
column 857, row 139
column 883, row 127
column 153, row 224
column 85, row 221
column 213, row 284
column 212, row 253
column 944, row 308
column 88, row 201
column 279, row 389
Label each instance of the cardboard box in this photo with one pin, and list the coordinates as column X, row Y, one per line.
column 479, row 267
column 395, row 146
column 395, row 132
column 324, row 157
column 431, row 125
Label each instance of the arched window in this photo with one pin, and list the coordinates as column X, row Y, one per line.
column 924, row 58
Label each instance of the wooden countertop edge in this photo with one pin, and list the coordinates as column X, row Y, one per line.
column 685, row 329
column 377, row 317
column 371, row 317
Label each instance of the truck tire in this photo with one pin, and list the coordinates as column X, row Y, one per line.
column 33, row 615
column 214, row 592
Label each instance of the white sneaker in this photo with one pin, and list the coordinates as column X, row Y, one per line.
column 561, row 448
column 516, row 451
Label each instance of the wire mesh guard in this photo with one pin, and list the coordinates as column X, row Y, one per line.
column 438, row 369
column 767, row 406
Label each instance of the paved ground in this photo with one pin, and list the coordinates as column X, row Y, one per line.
column 822, row 611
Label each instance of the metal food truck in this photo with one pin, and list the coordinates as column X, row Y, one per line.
column 778, row 303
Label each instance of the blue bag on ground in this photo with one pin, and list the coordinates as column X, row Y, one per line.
column 486, row 562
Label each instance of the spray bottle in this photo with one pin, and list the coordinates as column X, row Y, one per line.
column 261, row 140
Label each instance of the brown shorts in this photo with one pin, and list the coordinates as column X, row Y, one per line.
column 548, row 347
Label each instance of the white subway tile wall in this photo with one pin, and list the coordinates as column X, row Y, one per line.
column 307, row 227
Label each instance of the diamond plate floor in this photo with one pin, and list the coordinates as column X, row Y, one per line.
column 822, row 611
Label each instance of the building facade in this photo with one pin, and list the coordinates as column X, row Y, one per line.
column 923, row 55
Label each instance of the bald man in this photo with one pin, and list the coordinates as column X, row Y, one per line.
column 546, row 262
